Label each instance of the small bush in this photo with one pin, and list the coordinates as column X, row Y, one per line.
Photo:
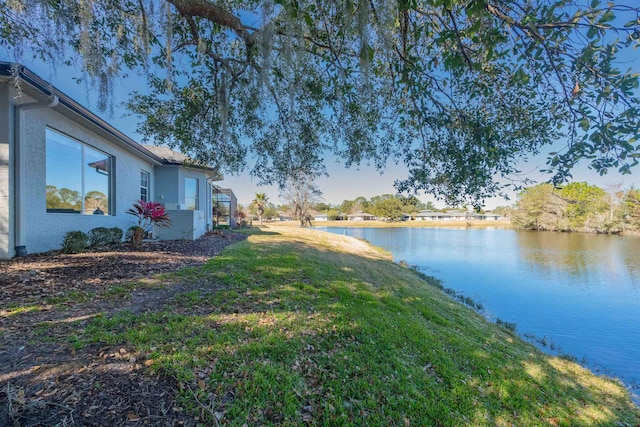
column 99, row 236
column 75, row 242
column 116, row 234
column 135, row 235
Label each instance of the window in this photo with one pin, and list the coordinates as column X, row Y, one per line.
column 144, row 186
column 78, row 177
column 191, row 193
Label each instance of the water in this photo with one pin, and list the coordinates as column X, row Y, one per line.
column 579, row 291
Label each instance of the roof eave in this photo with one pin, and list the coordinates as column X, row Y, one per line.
column 66, row 101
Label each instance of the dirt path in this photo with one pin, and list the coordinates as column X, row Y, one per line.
column 45, row 299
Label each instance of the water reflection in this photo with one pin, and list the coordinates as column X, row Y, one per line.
column 587, row 258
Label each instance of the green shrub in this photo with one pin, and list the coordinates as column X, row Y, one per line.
column 100, row 236
column 135, row 235
column 75, row 242
column 116, row 234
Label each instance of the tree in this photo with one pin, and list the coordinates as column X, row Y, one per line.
column 270, row 211
column 504, row 211
column 70, row 199
column 95, row 199
column 390, row 209
column 616, row 196
column 53, row 198
column 260, row 203
column 460, row 91
column 632, row 209
column 410, row 204
column 584, row 202
column 361, row 203
column 301, row 192
column 322, row 207
column 347, row 207
column 430, row 206
column 333, row 215
column 539, row 208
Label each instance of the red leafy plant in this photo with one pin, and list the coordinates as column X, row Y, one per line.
column 148, row 214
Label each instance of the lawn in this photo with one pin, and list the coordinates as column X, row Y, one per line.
column 320, row 329
column 301, row 327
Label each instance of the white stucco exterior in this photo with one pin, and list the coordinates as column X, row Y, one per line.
column 45, row 231
column 25, row 224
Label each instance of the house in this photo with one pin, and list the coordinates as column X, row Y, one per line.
column 63, row 168
column 488, row 216
column 284, row 216
column 361, row 216
column 451, row 215
column 320, row 217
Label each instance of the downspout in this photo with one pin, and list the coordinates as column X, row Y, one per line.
column 19, row 167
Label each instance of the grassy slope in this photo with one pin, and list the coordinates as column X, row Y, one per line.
column 326, row 330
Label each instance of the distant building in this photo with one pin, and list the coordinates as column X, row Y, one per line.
column 456, row 215
column 361, row 216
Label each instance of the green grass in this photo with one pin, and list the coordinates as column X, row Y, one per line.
column 69, row 297
column 326, row 330
column 120, row 291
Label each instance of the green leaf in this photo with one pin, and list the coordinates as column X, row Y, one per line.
column 607, row 17
column 584, row 124
column 366, row 53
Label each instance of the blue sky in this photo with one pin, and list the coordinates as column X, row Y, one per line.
column 342, row 183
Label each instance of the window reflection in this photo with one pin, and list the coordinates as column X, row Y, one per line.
column 144, row 186
column 96, row 181
column 191, row 193
column 70, row 187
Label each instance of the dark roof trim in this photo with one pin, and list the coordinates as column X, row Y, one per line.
column 46, row 88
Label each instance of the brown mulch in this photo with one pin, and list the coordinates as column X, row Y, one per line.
column 43, row 380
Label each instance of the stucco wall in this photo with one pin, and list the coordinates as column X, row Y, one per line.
column 166, row 186
column 6, row 130
column 45, row 231
column 170, row 190
column 185, row 224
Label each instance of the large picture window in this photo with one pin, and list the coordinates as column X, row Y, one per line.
column 191, row 193
column 78, row 177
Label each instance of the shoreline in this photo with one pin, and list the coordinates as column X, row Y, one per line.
column 502, row 224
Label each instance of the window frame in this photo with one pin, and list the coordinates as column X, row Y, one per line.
column 83, row 181
column 196, row 198
column 148, row 187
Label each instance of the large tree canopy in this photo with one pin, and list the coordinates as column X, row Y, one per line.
column 461, row 91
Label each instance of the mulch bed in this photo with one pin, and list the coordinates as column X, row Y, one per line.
column 43, row 381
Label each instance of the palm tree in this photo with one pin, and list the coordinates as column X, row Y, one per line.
column 260, row 202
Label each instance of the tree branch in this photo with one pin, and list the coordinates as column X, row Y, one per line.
column 462, row 49
column 215, row 14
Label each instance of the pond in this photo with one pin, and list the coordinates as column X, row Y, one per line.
column 578, row 293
